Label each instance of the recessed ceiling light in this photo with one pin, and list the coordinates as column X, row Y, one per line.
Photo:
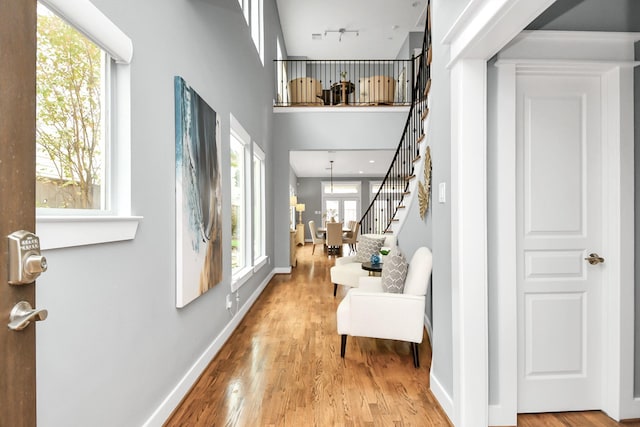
column 360, row 172
column 372, row 161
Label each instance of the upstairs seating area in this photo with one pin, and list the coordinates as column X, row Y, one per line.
column 344, row 83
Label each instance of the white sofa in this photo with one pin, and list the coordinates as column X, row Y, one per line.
column 348, row 272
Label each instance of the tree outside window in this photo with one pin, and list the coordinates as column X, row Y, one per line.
column 70, row 129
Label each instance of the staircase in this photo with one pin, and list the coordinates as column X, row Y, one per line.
column 388, row 208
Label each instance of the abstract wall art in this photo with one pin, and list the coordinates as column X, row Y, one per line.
column 198, row 195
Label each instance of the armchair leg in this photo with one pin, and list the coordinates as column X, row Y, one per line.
column 416, row 355
column 335, row 289
column 343, row 346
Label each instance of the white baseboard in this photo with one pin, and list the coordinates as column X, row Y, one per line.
column 281, row 270
column 632, row 410
column 499, row 416
column 443, row 398
column 176, row 395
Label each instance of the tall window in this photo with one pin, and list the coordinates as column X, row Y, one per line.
column 257, row 26
column 73, row 92
column 240, row 204
column 259, row 205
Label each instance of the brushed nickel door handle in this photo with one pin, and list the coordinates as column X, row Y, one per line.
column 594, row 259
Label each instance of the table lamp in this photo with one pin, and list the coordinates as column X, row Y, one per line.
column 300, row 209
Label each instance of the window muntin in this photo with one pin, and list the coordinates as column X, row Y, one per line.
column 73, row 91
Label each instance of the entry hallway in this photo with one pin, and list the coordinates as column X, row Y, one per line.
column 282, row 367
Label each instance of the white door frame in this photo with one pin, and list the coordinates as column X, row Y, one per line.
column 483, row 28
column 616, row 76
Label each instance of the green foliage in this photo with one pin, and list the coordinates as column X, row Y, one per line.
column 69, row 85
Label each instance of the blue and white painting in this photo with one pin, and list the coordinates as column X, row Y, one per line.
column 198, row 195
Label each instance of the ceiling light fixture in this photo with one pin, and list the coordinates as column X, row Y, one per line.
column 341, row 31
column 331, row 161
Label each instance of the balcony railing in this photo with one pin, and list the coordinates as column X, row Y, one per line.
column 391, row 197
column 343, row 82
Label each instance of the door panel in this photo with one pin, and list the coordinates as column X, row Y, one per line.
column 559, row 222
column 17, row 202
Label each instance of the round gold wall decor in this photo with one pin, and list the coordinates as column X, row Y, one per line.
column 424, row 189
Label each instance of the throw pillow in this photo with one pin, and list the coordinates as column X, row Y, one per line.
column 367, row 246
column 394, row 272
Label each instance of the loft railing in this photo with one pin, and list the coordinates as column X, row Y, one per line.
column 390, row 198
column 344, row 82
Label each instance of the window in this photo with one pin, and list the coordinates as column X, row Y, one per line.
column 240, row 202
column 257, row 26
column 72, row 129
column 259, row 206
column 341, row 201
column 281, row 76
column 82, row 178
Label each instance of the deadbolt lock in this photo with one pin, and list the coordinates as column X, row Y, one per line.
column 25, row 260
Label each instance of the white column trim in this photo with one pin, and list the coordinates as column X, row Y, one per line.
column 502, row 256
column 469, row 243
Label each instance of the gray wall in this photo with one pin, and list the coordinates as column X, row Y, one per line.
column 636, row 112
column 115, row 345
column 590, row 15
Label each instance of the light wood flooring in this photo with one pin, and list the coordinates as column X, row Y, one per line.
column 282, row 367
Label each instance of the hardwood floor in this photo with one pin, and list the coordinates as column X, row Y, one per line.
column 282, row 367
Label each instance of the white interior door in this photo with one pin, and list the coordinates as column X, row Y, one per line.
column 559, row 223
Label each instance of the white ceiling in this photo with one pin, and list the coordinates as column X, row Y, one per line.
column 383, row 26
column 346, row 163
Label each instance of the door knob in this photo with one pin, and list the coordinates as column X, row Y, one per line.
column 594, row 259
column 22, row 314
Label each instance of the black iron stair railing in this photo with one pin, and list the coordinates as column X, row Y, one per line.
column 393, row 192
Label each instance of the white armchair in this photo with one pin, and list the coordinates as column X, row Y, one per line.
column 368, row 311
column 347, row 271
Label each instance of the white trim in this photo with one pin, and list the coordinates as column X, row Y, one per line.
column 485, row 26
column 444, row 399
column 173, row 399
column 259, row 263
column 341, row 110
column 240, row 277
column 572, row 46
column 502, row 257
column 282, row 270
column 91, row 22
column 469, row 243
column 618, row 181
column 618, row 300
column 57, row 232
column 487, row 29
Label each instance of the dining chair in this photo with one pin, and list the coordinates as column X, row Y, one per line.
column 352, row 238
column 334, row 236
column 314, row 236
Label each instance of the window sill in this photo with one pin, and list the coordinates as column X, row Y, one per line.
column 57, row 232
column 259, row 263
column 240, row 277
